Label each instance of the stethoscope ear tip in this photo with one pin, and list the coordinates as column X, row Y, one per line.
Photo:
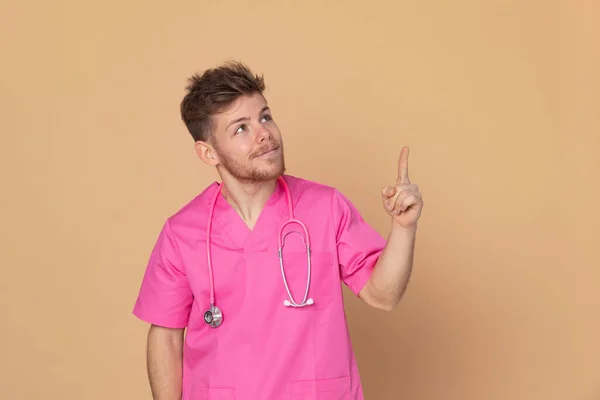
column 310, row 301
column 287, row 303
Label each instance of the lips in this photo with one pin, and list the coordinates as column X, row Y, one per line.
column 267, row 151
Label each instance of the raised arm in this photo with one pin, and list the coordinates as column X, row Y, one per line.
column 403, row 202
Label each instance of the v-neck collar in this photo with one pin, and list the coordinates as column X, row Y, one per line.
column 267, row 224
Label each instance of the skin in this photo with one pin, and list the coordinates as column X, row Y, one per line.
column 403, row 202
column 164, row 354
column 242, row 135
column 246, row 148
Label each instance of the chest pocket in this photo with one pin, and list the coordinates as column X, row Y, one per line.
column 323, row 282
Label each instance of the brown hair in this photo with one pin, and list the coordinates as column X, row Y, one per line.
column 214, row 90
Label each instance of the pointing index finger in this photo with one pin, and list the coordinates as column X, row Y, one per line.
column 403, row 166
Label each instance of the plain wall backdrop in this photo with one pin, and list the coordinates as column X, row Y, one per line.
column 497, row 100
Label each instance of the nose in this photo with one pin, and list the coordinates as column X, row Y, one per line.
column 262, row 133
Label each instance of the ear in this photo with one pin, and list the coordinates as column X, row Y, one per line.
column 207, row 153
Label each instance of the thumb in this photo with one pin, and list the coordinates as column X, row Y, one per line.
column 387, row 192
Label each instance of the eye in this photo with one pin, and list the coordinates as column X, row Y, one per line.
column 266, row 118
column 240, row 129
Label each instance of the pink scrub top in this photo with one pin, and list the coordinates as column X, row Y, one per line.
column 262, row 350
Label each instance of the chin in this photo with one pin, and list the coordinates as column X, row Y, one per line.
column 268, row 174
column 273, row 166
column 274, row 173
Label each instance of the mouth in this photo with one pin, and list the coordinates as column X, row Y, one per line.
column 268, row 152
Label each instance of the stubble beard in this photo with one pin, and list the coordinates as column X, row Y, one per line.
column 249, row 173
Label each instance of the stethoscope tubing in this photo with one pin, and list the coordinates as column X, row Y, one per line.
column 214, row 314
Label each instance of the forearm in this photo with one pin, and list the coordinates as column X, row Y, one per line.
column 165, row 363
column 391, row 274
column 403, row 202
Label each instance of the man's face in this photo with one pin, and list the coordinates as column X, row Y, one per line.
column 247, row 140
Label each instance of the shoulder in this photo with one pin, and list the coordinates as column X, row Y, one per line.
column 192, row 216
column 305, row 190
column 319, row 197
column 305, row 187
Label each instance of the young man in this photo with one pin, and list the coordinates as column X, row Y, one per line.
column 261, row 295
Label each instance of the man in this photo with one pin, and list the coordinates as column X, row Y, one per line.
column 263, row 314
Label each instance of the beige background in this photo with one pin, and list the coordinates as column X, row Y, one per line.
column 498, row 101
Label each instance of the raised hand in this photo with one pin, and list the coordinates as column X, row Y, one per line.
column 403, row 201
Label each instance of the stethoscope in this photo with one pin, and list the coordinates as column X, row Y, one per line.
column 214, row 316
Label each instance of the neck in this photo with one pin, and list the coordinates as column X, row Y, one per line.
column 248, row 198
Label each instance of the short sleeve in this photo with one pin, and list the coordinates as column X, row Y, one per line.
column 358, row 244
column 165, row 297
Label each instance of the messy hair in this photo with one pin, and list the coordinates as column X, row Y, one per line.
column 214, row 90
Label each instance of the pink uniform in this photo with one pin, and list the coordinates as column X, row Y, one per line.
column 263, row 350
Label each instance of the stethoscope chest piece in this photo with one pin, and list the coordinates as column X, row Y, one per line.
column 213, row 317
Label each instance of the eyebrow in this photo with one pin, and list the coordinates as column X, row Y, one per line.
column 235, row 121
